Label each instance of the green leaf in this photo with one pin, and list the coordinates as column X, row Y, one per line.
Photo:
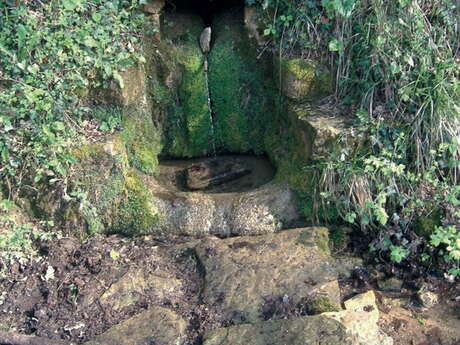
column 90, row 42
column 335, row 45
column 96, row 17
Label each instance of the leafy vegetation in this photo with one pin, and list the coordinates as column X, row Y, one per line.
column 397, row 65
column 51, row 53
column 17, row 235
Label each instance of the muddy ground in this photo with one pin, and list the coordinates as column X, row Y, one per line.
column 58, row 294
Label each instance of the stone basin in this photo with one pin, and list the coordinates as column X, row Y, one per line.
column 245, row 201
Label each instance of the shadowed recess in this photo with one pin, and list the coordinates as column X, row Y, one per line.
column 206, row 9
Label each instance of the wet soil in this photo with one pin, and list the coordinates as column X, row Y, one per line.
column 63, row 302
column 172, row 174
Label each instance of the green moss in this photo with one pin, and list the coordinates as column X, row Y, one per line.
column 321, row 305
column 142, row 141
column 304, row 80
column 322, row 239
column 135, row 214
column 188, row 130
column 318, row 237
column 242, row 90
column 88, row 152
column 180, row 89
column 193, row 95
column 300, row 69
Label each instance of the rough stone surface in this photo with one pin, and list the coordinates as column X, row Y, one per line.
column 311, row 330
column 136, row 283
column 360, row 319
column 266, row 209
column 242, row 274
column 357, row 325
column 319, row 131
column 304, row 81
column 157, row 326
column 391, row 284
column 153, row 6
column 132, row 90
column 428, row 299
column 214, row 172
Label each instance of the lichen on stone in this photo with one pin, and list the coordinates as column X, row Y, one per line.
column 320, row 305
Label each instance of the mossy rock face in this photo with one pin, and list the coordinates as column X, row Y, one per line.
column 117, row 200
column 142, row 140
column 181, row 89
column 135, row 214
column 242, row 89
column 304, row 80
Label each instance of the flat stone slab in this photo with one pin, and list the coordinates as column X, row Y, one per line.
column 159, row 326
column 244, row 275
column 311, row 330
column 136, row 283
column 357, row 325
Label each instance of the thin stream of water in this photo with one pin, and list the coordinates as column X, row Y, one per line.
column 211, row 120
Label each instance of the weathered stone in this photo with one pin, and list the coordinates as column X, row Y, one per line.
column 391, row 285
column 319, row 131
column 131, row 92
column 357, row 325
column 136, row 283
column 360, row 319
column 310, row 330
column 266, row 209
column 157, row 326
column 205, row 40
column 153, row 6
column 304, row 81
column 243, row 273
column 347, row 264
column 427, row 298
column 254, row 24
column 214, row 172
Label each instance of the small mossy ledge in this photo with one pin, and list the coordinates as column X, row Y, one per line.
column 302, row 80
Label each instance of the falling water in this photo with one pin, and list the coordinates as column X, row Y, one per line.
column 211, row 119
column 205, row 45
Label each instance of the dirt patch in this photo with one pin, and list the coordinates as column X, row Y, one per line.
column 69, row 292
column 58, row 295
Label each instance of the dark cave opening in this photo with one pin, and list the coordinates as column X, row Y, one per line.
column 206, row 9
